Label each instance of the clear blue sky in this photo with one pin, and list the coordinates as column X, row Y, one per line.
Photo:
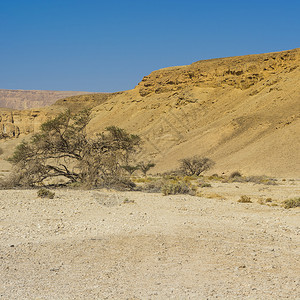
column 106, row 46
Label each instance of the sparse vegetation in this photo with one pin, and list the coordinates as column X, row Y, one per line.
column 204, row 184
column 153, row 186
column 245, row 199
column 130, row 169
column 45, row 193
column 1, row 151
column 255, row 179
column 178, row 187
column 291, row 203
column 145, row 167
column 235, row 174
column 126, row 201
column 195, row 165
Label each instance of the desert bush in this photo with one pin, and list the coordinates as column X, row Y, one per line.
column 245, row 199
column 291, row 203
column 44, row 193
column 255, row 179
column 235, row 174
column 177, row 187
column 195, row 165
column 153, row 186
column 63, row 149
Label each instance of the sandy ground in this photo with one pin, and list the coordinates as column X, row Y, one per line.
column 92, row 245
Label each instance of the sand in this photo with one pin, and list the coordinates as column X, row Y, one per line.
column 89, row 244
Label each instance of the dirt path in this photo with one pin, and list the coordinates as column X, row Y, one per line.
column 91, row 245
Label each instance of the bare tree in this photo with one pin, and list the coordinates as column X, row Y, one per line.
column 195, row 165
column 145, row 167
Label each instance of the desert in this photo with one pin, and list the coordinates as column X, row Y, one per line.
column 104, row 244
column 185, row 187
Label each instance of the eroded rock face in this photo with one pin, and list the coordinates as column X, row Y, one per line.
column 239, row 72
column 13, row 123
column 20, row 99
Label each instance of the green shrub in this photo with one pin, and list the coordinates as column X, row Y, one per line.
column 44, row 193
column 291, row 203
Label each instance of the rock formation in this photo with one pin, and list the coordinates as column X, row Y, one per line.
column 20, row 99
column 243, row 112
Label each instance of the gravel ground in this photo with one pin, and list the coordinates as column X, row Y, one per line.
column 130, row 245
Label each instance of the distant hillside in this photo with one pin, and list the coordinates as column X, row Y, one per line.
column 21, row 99
column 243, row 112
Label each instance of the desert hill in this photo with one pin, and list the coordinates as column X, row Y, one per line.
column 21, row 99
column 243, row 112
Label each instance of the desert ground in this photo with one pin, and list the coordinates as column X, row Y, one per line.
column 102, row 244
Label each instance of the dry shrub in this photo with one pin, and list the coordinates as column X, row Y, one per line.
column 291, row 203
column 178, row 187
column 204, row 184
column 127, row 201
column 144, row 179
column 255, row 179
column 213, row 196
column 235, row 174
column 44, row 193
column 153, row 186
column 245, row 199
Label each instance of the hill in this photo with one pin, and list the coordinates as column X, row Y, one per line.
column 243, row 112
column 21, row 99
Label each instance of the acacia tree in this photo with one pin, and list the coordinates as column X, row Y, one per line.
column 130, row 169
column 195, row 165
column 145, row 167
column 63, row 149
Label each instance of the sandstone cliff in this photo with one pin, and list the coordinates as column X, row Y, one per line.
column 243, row 112
column 20, row 99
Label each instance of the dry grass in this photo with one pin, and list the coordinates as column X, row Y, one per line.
column 291, row 203
column 245, row 199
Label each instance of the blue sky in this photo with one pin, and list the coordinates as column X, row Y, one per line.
column 107, row 46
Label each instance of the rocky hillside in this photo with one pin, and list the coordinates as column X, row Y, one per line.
column 243, row 112
column 19, row 99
